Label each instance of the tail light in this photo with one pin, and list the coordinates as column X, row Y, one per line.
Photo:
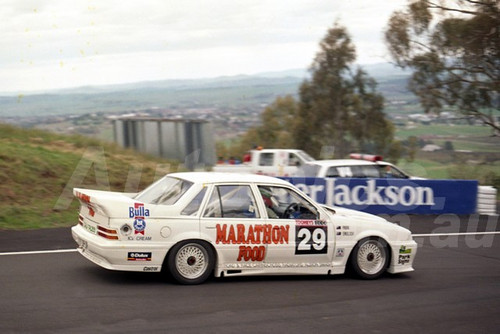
column 107, row 233
column 80, row 220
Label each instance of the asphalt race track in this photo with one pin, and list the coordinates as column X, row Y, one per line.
column 454, row 289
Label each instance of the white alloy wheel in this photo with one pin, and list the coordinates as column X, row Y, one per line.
column 191, row 262
column 370, row 258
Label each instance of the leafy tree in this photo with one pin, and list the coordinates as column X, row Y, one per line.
column 277, row 122
column 453, row 49
column 394, row 152
column 412, row 148
column 339, row 106
column 275, row 131
column 448, row 146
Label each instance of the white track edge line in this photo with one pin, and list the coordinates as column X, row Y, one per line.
column 41, row 252
column 454, row 234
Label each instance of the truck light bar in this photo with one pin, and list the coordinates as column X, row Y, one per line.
column 367, row 157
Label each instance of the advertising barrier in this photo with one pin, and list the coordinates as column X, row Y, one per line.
column 393, row 196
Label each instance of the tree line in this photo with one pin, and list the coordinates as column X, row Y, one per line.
column 452, row 50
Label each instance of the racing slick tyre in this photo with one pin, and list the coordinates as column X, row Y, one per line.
column 370, row 258
column 191, row 262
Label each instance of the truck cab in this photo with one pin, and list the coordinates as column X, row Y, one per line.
column 273, row 162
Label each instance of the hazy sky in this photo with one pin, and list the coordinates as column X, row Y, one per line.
column 49, row 44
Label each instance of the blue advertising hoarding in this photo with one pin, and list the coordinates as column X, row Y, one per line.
column 393, row 196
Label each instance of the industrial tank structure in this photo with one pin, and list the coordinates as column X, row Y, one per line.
column 185, row 140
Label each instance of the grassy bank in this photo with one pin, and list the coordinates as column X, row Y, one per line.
column 39, row 169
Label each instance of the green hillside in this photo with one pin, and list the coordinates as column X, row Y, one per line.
column 39, row 169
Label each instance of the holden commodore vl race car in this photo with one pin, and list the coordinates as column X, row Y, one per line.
column 198, row 224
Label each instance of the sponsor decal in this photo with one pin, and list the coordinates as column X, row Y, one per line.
column 150, row 269
column 404, row 259
column 139, row 238
column 371, row 194
column 344, row 231
column 258, row 234
column 303, row 222
column 403, row 250
column 249, row 253
column 139, row 213
column 311, row 237
column 139, row 256
column 340, row 252
column 246, row 265
column 255, row 234
column 139, row 226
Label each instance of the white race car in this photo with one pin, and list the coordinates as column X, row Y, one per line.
column 194, row 225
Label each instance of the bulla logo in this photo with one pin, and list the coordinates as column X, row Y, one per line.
column 138, row 211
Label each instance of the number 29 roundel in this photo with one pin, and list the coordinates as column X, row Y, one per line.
column 311, row 237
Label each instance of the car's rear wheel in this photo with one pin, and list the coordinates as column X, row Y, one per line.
column 191, row 262
column 370, row 258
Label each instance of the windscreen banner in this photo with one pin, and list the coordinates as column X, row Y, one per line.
column 392, row 196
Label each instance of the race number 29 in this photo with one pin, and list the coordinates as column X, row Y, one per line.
column 311, row 240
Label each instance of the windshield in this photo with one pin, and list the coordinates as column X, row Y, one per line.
column 307, row 170
column 166, row 191
column 390, row 171
column 305, row 156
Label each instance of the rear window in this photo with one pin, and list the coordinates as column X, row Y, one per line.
column 165, row 191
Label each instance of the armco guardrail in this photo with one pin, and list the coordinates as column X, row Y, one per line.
column 393, row 196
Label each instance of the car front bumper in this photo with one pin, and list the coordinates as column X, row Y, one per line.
column 403, row 255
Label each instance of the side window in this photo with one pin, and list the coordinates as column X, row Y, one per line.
column 284, row 203
column 365, row 171
column 192, row 208
column 371, row 171
column 345, row 171
column 231, row 202
column 266, row 159
column 293, row 160
column 391, row 172
column 332, row 172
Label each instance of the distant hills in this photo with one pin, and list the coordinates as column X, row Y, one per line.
column 232, row 92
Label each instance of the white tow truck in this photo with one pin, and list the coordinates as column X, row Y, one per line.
column 273, row 162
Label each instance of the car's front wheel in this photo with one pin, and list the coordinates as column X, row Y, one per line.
column 191, row 262
column 370, row 258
